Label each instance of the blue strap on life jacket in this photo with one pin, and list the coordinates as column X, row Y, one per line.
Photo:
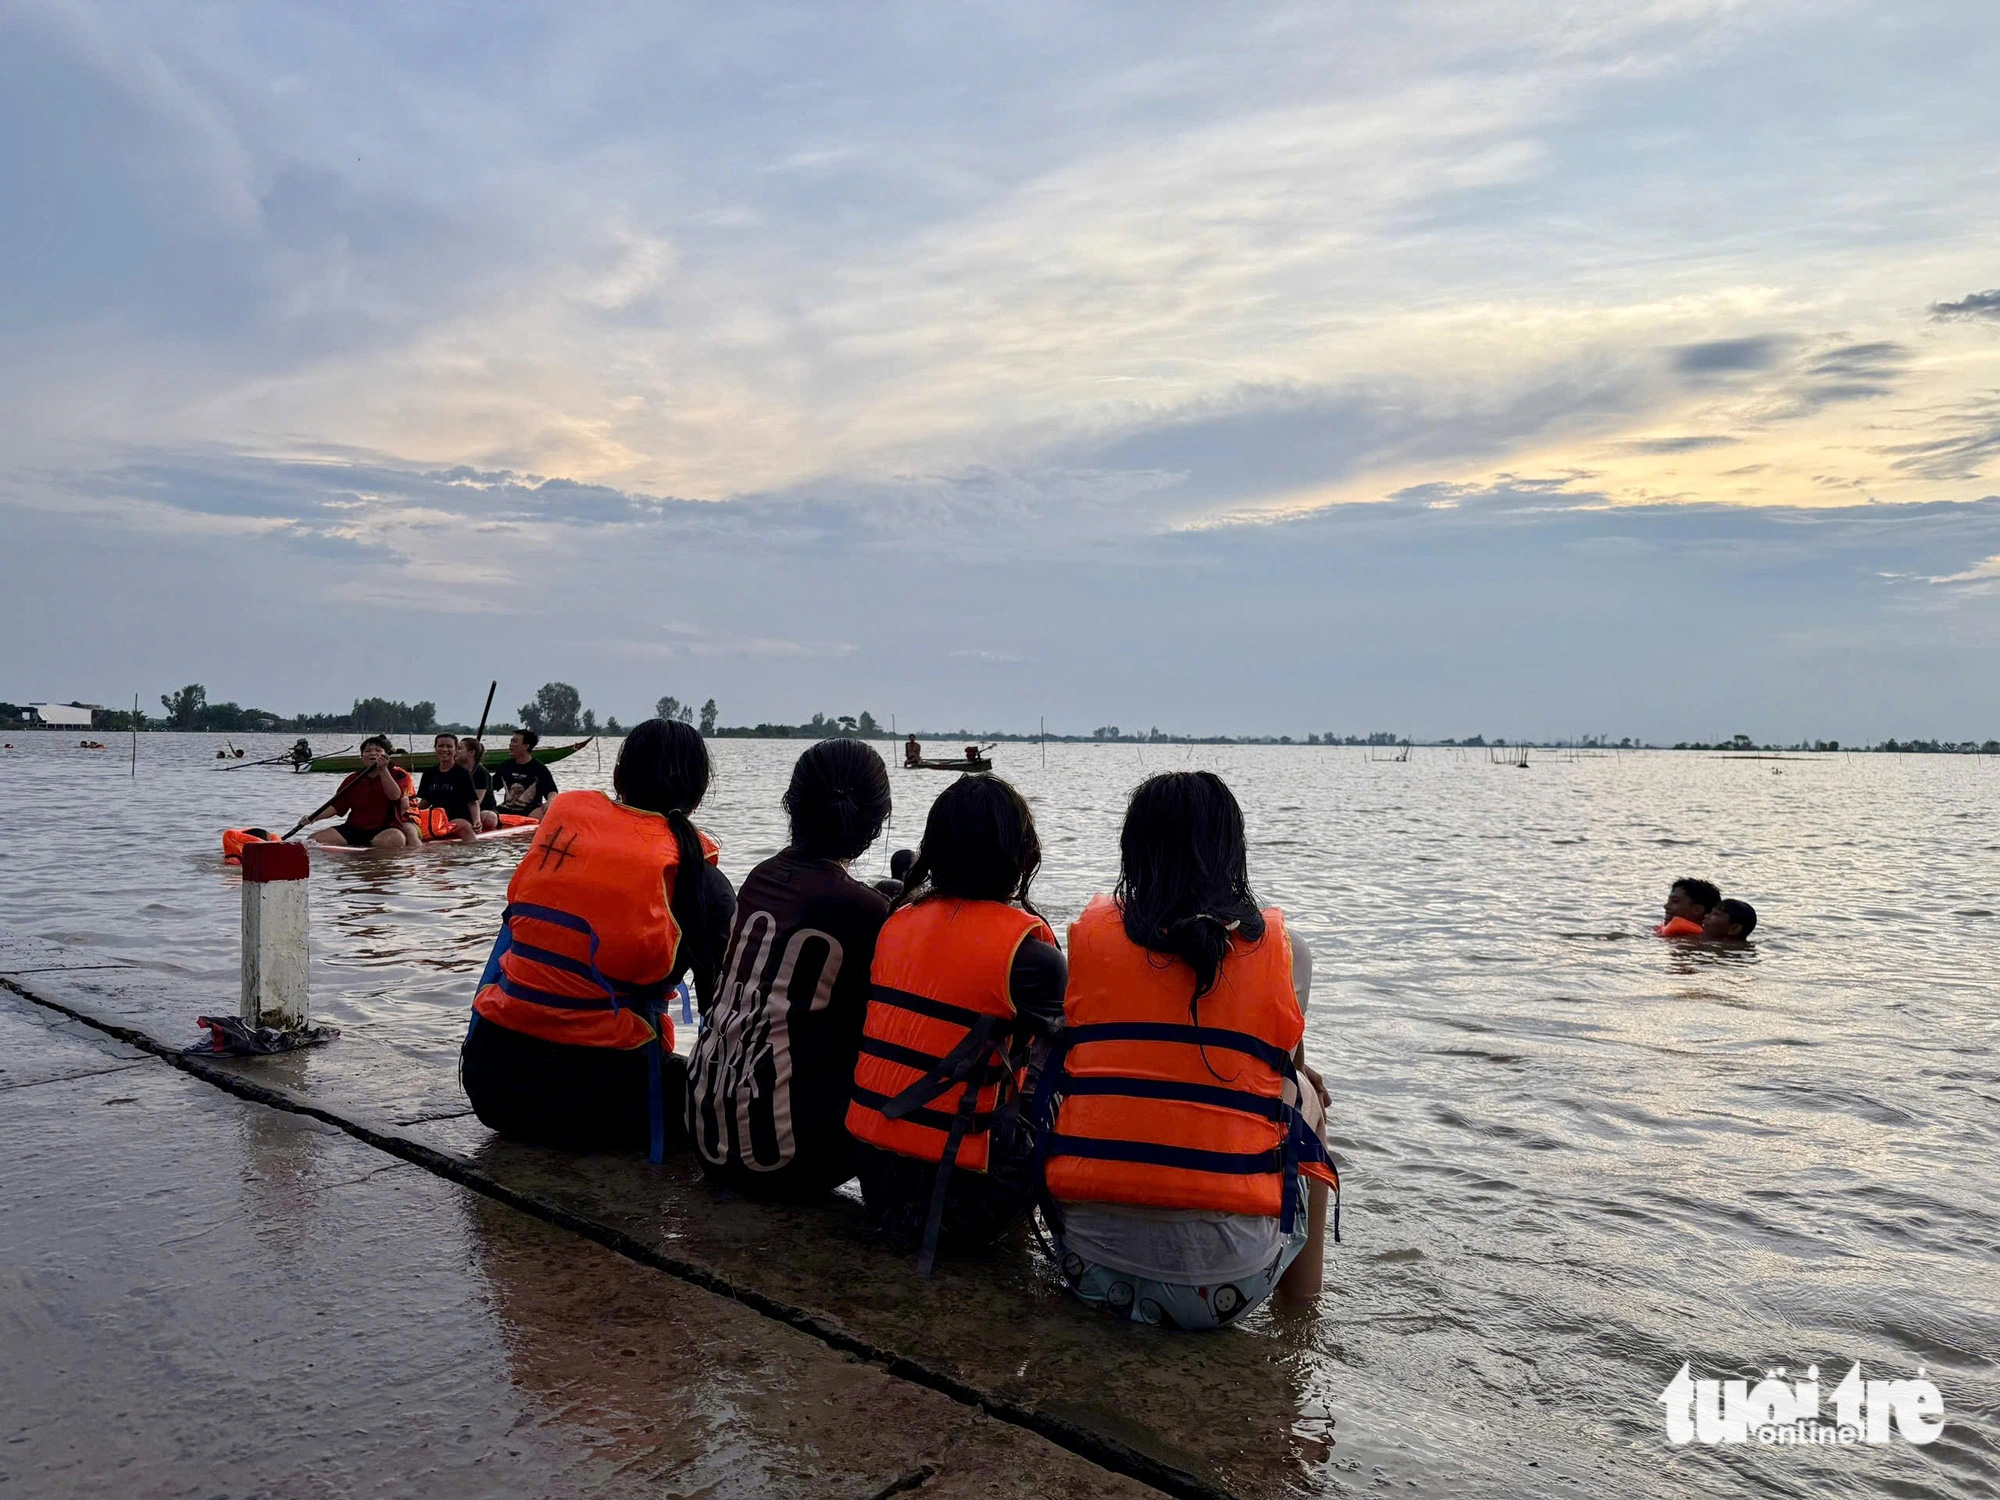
column 656, row 1089
column 1298, row 1145
column 964, row 1065
column 587, row 969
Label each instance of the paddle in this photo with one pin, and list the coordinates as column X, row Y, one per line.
column 491, row 688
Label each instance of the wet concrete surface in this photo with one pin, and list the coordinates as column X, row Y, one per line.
column 205, row 1295
column 1245, row 1412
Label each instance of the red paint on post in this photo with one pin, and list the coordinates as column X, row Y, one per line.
column 263, row 863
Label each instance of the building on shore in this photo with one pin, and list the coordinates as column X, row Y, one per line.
column 65, row 715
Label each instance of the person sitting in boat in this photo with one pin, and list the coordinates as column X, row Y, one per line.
column 912, row 751
column 472, row 756
column 376, row 800
column 967, row 990
column 1689, row 902
column 572, row 1038
column 768, row 1079
column 522, row 785
column 1731, row 922
column 450, row 804
column 1185, row 1178
column 972, row 752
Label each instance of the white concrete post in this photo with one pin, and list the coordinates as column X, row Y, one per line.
column 274, row 936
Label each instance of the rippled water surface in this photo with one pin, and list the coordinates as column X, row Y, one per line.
column 1574, row 1155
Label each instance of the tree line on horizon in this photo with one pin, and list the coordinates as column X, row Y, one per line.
column 558, row 708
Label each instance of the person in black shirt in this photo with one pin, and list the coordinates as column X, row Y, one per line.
column 449, row 787
column 769, row 1076
column 522, row 785
column 472, row 756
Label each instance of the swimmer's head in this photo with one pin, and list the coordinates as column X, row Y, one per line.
column 900, row 862
column 1692, row 899
column 1730, row 922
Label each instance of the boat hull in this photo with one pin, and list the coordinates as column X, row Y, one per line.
column 523, row 832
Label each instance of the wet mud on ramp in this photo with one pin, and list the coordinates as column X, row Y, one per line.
column 207, row 1295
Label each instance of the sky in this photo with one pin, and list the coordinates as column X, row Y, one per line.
column 1521, row 369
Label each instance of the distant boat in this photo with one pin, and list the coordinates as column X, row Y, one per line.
column 959, row 763
column 426, row 760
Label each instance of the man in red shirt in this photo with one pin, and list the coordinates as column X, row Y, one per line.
column 375, row 798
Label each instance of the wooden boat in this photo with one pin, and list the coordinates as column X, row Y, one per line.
column 426, row 760
column 956, row 763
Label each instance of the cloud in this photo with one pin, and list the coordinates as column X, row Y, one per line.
column 1730, row 356
column 1973, row 305
column 1986, row 570
column 1691, row 444
column 1958, row 444
column 814, row 329
column 1851, row 372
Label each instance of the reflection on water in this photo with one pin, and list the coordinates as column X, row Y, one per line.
column 1575, row 1156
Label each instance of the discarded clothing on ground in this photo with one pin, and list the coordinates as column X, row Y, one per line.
column 232, row 1038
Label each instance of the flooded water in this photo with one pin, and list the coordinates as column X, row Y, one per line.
column 1574, row 1156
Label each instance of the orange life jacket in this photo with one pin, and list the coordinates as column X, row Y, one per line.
column 434, row 823
column 934, row 1065
column 588, row 940
column 1161, row 1112
column 1679, row 927
column 234, row 840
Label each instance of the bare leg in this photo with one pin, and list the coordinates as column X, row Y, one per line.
column 326, row 836
column 488, row 819
column 463, row 831
column 1300, row 1284
column 388, row 838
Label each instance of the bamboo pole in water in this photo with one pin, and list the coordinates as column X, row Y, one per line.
column 135, row 736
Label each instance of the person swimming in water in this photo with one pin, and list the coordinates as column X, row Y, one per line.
column 1729, row 922
column 899, row 869
column 1688, row 904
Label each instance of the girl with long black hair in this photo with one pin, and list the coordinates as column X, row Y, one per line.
column 768, row 1079
column 572, row 1041
column 967, row 981
column 1184, row 1173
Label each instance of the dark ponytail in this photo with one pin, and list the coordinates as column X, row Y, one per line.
column 979, row 844
column 1184, row 880
column 838, row 799
column 663, row 767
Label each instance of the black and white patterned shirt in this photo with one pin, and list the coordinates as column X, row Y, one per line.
column 768, row 1078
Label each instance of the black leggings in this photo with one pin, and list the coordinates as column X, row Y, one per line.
column 979, row 1207
column 575, row 1098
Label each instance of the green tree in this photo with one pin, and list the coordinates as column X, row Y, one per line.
column 668, row 708
column 556, row 709
column 184, row 708
column 589, row 721
column 612, row 726
column 869, row 728
column 392, row 715
column 708, row 713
